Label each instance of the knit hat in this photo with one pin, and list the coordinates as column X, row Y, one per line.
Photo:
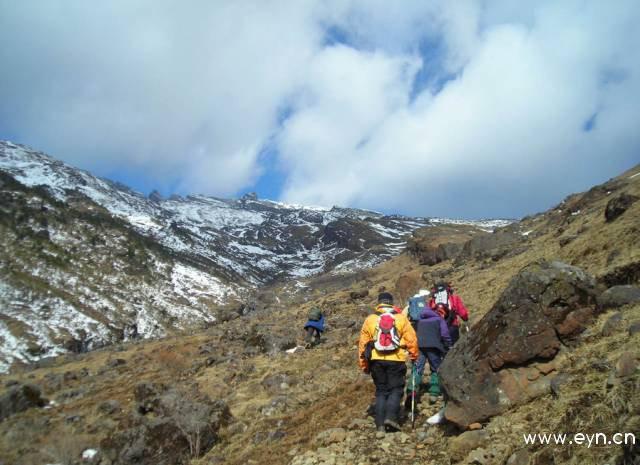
column 385, row 298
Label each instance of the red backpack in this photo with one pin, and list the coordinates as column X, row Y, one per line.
column 386, row 338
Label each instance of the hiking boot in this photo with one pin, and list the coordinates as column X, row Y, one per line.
column 433, row 400
column 381, row 429
column 391, row 425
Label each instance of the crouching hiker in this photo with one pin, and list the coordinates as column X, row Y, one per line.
column 314, row 327
column 387, row 340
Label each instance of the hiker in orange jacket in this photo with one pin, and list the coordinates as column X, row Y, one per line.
column 387, row 340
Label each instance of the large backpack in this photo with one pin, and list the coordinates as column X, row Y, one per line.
column 416, row 306
column 441, row 293
column 315, row 314
column 386, row 337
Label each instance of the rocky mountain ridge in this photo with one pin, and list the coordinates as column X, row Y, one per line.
column 88, row 262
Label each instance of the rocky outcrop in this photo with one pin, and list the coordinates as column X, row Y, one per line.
column 618, row 205
column 491, row 245
column 170, row 427
column 19, row 398
column 498, row 365
column 617, row 296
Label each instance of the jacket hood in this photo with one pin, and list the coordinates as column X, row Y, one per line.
column 385, row 308
column 429, row 313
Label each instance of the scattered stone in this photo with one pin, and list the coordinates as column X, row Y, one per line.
column 618, row 205
column 634, row 328
column 475, row 426
column 19, row 398
column 460, row 446
column 519, row 457
column 109, row 407
column 357, row 295
column 557, row 382
column 546, row 368
column 617, row 296
column 627, row 365
column 612, row 325
column 566, row 240
column 116, row 362
column 331, row 436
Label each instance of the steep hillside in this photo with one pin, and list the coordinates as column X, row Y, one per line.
column 86, row 262
column 267, row 399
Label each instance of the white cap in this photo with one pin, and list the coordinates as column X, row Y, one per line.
column 422, row 292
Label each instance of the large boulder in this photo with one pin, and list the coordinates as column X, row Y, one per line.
column 617, row 296
column 490, row 245
column 19, row 398
column 170, row 427
column 618, row 205
column 496, row 366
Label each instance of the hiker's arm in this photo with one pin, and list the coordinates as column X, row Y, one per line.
column 460, row 309
column 365, row 337
column 410, row 341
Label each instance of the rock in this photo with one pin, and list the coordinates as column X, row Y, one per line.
column 557, row 382
column 519, row 457
column 490, row 245
column 180, row 420
column 116, row 362
column 612, row 325
column 460, row 446
column 626, row 365
column 618, row 205
column 617, row 296
column 475, row 426
column 331, row 436
column 544, row 306
column 109, row 407
column 567, row 240
column 19, row 398
column 634, row 328
column 479, row 457
column 546, row 368
column 357, row 295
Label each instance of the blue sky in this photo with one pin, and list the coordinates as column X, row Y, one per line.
column 431, row 108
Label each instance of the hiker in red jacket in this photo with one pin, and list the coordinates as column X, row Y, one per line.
column 442, row 293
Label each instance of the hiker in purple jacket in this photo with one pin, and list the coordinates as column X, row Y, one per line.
column 434, row 341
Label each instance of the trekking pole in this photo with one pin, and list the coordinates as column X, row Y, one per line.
column 413, row 396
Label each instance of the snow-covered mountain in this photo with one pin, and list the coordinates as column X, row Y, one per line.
column 87, row 261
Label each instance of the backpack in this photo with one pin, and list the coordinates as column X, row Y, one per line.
column 416, row 305
column 386, row 338
column 315, row 314
column 441, row 293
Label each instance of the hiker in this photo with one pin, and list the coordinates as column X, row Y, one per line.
column 314, row 327
column 416, row 305
column 434, row 342
column 442, row 293
column 387, row 339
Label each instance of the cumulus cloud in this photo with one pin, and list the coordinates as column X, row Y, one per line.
column 183, row 92
column 536, row 111
column 420, row 107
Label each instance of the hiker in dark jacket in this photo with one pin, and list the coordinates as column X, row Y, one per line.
column 314, row 327
column 434, row 341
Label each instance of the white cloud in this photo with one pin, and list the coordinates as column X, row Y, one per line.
column 190, row 93
column 507, row 135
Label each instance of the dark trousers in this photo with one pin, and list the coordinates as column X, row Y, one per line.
column 389, row 378
column 434, row 356
column 454, row 332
